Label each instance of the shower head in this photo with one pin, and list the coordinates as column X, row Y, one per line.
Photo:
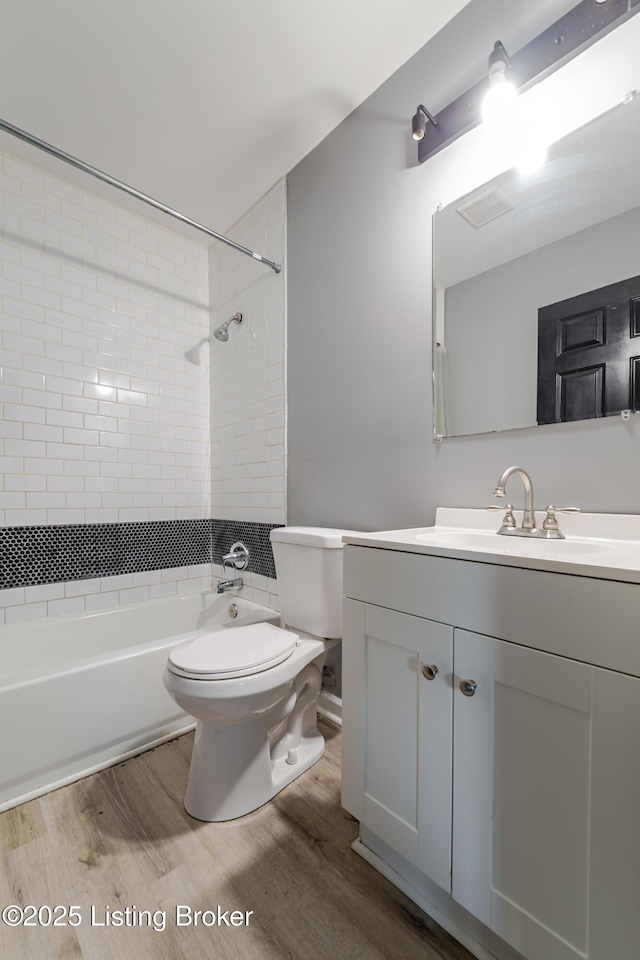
column 222, row 332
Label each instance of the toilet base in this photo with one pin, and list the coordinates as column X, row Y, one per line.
column 237, row 768
column 213, row 798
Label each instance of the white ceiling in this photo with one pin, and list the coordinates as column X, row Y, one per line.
column 202, row 104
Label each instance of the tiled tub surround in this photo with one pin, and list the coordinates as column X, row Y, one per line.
column 248, row 372
column 102, row 420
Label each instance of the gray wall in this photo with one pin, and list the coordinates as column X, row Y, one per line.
column 360, row 451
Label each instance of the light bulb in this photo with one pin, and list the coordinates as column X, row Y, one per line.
column 499, row 98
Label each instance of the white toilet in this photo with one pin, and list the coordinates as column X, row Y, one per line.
column 254, row 689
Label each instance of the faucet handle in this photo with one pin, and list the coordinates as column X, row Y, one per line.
column 508, row 521
column 551, row 522
column 237, row 557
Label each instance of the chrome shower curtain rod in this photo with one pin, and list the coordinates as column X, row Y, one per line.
column 99, row 175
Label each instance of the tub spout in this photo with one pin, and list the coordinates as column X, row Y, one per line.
column 225, row 585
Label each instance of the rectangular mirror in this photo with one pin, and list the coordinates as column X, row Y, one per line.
column 537, row 288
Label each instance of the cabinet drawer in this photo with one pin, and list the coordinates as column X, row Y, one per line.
column 585, row 619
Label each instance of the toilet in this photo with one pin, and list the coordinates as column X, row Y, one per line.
column 254, row 689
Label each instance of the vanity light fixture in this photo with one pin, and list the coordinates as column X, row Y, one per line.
column 555, row 46
column 419, row 122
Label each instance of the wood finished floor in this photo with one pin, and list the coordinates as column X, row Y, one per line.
column 122, row 838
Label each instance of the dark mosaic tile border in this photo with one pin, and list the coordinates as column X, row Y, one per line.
column 255, row 536
column 36, row 555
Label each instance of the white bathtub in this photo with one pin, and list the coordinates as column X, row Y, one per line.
column 80, row 693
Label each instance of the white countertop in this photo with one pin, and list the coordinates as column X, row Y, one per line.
column 600, row 545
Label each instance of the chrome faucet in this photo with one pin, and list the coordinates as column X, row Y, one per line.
column 550, row 529
column 528, row 527
column 238, row 558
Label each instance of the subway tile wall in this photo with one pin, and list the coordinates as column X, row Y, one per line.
column 102, row 420
column 248, row 435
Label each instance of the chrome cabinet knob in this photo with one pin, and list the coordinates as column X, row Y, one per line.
column 468, row 687
column 429, row 671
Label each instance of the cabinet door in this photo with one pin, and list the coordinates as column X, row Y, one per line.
column 521, row 805
column 408, row 737
column 614, row 928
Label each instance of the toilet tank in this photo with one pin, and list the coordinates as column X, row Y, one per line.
column 309, row 570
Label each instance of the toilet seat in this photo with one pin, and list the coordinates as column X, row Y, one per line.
column 234, row 652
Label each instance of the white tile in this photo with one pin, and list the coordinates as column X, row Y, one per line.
column 11, row 465
column 45, row 501
column 80, row 588
column 13, row 482
column 84, row 404
column 24, row 208
column 101, row 515
column 22, row 413
column 43, row 592
column 23, row 517
column 23, row 378
column 134, row 595
column 167, row 589
column 62, row 189
column 56, row 608
column 63, row 418
column 23, row 171
column 65, row 516
column 23, row 448
column 10, row 184
column 81, row 436
column 100, row 601
column 26, row 611
column 12, row 597
column 146, row 578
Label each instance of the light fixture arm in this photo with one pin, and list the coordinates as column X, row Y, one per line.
column 428, row 115
column 419, row 123
column 499, row 58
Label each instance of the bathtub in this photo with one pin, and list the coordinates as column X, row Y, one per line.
column 80, row 693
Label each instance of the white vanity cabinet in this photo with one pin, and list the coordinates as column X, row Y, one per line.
column 519, row 797
column 407, row 747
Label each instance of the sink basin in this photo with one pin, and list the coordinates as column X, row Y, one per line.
column 513, row 546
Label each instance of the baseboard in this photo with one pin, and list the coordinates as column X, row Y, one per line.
column 330, row 706
column 456, row 931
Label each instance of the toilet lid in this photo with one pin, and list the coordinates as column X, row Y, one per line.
column 233, row 652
